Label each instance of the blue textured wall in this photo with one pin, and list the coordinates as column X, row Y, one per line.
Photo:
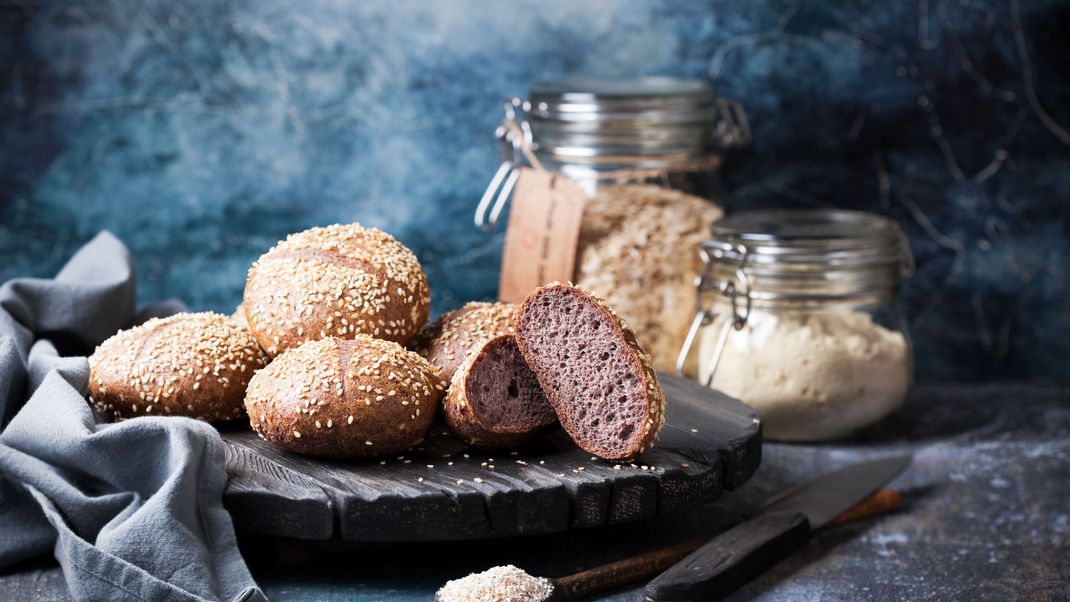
column 201, row 132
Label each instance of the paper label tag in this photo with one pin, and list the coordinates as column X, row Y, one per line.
column 544, row 229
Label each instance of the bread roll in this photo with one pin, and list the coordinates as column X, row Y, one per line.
column 597, row 378
column 339, row 281
column 494, row 399
column 448, row 340
column 195, row 365
column 345, row 398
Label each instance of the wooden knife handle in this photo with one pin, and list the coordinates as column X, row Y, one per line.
column 881, row 502
column 731, row 559
column 616, row 574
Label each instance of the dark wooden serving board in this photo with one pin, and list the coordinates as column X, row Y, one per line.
column 711, row 443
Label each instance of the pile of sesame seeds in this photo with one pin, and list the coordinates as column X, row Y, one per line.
column 499, row 584
column 336, row 281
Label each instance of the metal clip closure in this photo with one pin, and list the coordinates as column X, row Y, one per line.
column 732, row 289
column 515, row 138
column 732, row 128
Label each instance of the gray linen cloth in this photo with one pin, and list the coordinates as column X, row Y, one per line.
column 132, row 511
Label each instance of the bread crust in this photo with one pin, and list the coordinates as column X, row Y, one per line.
column 640, row 361
column 189, row 364
column 449, row 339
column 338, row 281
column 345, row 398
column 463, row 418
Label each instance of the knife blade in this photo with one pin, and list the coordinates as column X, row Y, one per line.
column 782, row 525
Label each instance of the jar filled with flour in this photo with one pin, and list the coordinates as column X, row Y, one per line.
column 613, row 184
column 797, row 317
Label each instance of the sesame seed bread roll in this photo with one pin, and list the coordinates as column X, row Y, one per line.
column 598, row 379
column 345, row 398
column 494, row 399
column 188, row 364
column 448, row 340
column 339, row 281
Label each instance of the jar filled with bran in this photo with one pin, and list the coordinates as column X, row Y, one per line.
column 644, row 154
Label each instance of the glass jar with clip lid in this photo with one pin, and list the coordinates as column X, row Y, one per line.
column 797, row 316
column 644, row 153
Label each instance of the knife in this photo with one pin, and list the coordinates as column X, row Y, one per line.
column 782, row 525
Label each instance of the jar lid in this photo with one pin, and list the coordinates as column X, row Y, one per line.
column 656, row 121
column 808, row 253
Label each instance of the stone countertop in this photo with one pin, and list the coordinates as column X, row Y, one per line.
column 986, row 516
